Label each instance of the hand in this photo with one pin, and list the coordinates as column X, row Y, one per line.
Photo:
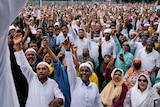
column 100, row 42
column 10, row 39
column 121, row 57
column 67, row 44
column 17, row 38
column 60, row 54
column 74, row 49
column 27, row 21
column 44, row 42
column 150, row 73
column 55, row 102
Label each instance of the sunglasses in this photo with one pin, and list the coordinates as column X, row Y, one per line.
column 139, row 80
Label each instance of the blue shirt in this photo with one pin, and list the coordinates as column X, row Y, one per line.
column 61, row 77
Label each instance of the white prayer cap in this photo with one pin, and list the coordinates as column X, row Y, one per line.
column 31, row 18
column 107, row 31
column 56, row 24
column 108, row 26
column 85, row 65
column 132, row 32
column 30, row 49
column 77, row 20
column 111, row 17
column 158, row 7
column 12, row 27
column 147, row 24
column 155, row 23
column 43, row 63
column 89, row 62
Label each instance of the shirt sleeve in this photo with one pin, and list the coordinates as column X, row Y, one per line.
column 71, row 70
column 57, row 92
column 98, row 103
column 114, row 50
column 24, row 65
column 158, row 61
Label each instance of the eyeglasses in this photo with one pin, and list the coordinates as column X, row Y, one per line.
column 139, row 80
column 84, row 70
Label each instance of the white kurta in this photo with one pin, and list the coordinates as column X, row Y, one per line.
column 81, row 43
column 81, row 95
column 39, row 95
column 149, row 61
column 9, row 10
column 138, row 46
column 109, row 48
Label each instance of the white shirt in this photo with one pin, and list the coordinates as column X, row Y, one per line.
column 39, row 95
column 61, row 39
column 9, row 10
column 138, row 46
column 149, row 61
column 81, row 43
column 93, row 50
column 109, row 47
column 81, row 95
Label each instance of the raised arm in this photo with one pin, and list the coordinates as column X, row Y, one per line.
column 46, row 46
column 21, row 59
column 70, row 64
column 27, row 29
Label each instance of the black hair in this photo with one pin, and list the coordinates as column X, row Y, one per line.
column 21, row 31
column 64, row 25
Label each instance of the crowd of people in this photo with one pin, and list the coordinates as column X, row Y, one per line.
column 88, row 55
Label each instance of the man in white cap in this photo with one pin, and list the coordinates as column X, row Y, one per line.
column 108, row 45
column 84, row 93
column 43, row 91
column 31, row 56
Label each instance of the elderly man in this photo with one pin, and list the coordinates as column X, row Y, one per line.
column 43, row 91
column 31, row 56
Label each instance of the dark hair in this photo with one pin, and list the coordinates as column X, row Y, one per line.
column 50, row 27
column 81, row 30
column 32, row 41
column 43, row 32
column 21, row 31
column 64, row 26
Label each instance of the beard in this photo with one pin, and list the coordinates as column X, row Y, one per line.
column 81, row 37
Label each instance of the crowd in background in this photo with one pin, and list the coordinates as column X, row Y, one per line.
column 119, row 43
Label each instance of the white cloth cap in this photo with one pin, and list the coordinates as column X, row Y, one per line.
column 146, row 24
column 131, row 32
column 107, row 31
column 158, row 7
column 12, row 27
column 56, row 24
column 155, row 23
column 85, row 65
column 108, row 26
column 30, row 49
column 43, row 63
